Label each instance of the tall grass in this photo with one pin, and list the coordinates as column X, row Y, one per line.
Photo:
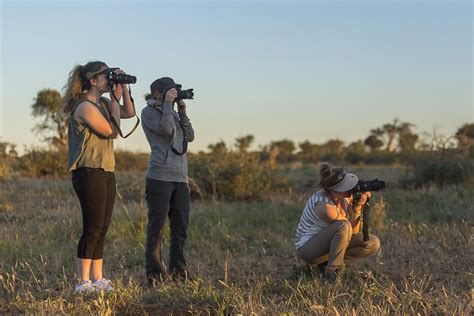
column 241, row 255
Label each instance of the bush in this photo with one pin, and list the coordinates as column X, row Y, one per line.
column 439, row 168
column 5, row 170
column 38, row 162
column 381, row 157
column 130, row 161
column 8, row 155
column 234, row 176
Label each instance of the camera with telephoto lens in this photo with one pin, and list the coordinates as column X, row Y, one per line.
column 120, row 78
column 368, row 185
column 184, row 94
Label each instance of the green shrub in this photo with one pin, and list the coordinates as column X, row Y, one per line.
column 439, row 168
column 38, row 162
column 8, row 155
column 130, row 161
column 5, row 170
column 381, row 157
column 234, row 176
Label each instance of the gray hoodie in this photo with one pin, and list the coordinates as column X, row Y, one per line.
column 164, row 128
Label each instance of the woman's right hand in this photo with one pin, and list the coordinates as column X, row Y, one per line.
column 171, row 95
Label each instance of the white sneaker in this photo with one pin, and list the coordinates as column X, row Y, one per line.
column 84, row 286
column 103, row 285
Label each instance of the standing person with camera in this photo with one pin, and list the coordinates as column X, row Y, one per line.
column 91, row 160
column 167, row 189
column 328, row 231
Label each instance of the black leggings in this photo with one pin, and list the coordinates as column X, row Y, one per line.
column 95, row 189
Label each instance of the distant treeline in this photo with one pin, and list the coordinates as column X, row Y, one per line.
column 235, row 172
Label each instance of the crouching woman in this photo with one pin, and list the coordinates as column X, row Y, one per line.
column 328, row 231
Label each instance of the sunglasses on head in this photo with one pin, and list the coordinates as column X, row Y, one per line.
column 337, row 177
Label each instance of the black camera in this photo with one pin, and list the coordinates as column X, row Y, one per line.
column 184, row 94
column 121, row 78
column 365, row 186
column 368, row 185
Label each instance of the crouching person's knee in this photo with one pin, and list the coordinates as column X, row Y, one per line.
column 344, row 228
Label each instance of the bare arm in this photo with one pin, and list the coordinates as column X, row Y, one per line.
column 128, row 109
column 89, row 114
column 328, row 213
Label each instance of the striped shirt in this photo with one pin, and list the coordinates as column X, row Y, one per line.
column 310, row 223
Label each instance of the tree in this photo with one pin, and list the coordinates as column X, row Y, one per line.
column 218, row 148
column 333, row 146
column 243, row 143
column 285, row 149
column 373, row 142
column 406, row 138
column 47, row 105
column 465, row 135
column 387, row 131
column 355, row 152
column 7, row 150
column 395, row 135
column 309, row 152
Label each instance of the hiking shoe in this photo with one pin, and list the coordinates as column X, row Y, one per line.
column 154, row 279
column 103, row 285
column 84, row 287
column 181, row 275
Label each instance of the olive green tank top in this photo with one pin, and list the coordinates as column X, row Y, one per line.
column 86, row 148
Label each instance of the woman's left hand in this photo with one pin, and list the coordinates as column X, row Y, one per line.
column 117, row 89
column 364, row 198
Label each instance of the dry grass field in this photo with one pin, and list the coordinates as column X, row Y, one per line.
column 240, row 253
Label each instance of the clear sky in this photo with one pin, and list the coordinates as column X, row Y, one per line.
column 301, row 70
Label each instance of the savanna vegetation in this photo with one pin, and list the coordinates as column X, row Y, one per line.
column 246, row 206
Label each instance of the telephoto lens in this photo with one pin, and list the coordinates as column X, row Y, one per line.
column 185, row 94
column 122, row 78
column 369, row 185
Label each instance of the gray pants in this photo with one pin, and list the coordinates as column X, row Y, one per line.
column 336, row 243
column 166, row 199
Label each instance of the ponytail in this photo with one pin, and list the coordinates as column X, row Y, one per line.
column 326, row 174
column 74, row 89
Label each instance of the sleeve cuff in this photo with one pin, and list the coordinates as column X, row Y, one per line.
column 167, row 107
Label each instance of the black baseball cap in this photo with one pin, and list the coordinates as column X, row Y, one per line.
column 162, row 84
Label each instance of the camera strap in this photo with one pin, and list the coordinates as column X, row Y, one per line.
column 115, row 122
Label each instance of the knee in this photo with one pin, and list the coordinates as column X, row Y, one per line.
column 92, row 234
column 343, row 227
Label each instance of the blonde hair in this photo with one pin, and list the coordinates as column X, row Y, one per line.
column 76, row 85
column 326, row 174
column 74, row 89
